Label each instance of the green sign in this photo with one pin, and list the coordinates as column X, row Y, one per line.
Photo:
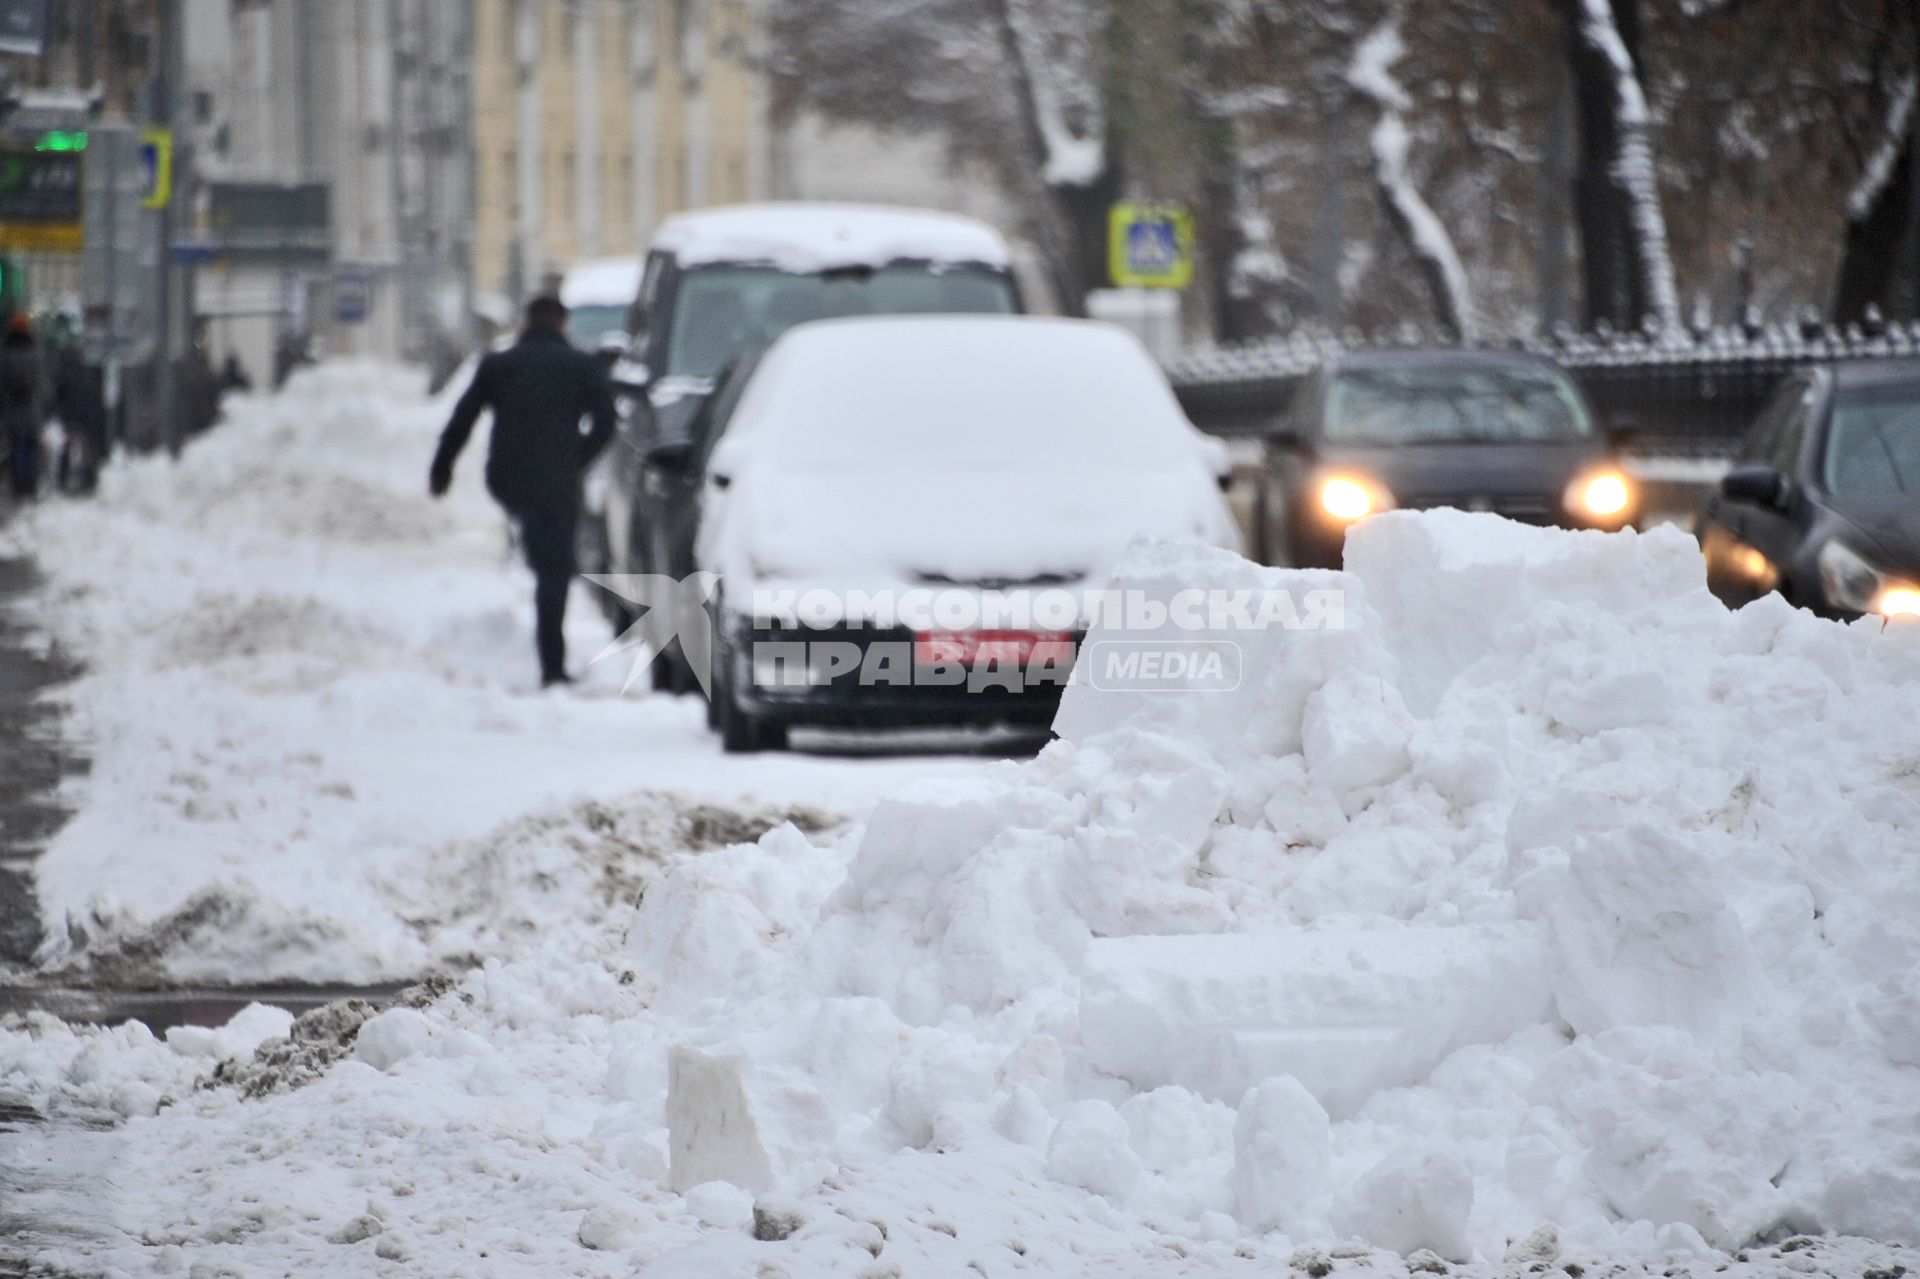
column 1150, row 246
column 40, row 201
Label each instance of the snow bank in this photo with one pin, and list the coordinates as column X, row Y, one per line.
column 1543, row 890
column 1540, row 910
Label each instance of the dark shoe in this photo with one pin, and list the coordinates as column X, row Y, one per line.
column 548, row 681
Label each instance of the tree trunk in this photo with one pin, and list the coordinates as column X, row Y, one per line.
column 1626, row 268
column 1880, row 258
column 1075, row 240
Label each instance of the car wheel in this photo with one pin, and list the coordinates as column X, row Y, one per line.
column 742, row 732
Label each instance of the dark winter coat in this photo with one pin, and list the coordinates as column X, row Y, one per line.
column 22, row 385
column 539, row 390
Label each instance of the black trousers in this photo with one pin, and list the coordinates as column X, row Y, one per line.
column 547, row 532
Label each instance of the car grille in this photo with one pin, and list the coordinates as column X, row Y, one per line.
column 1525, row 510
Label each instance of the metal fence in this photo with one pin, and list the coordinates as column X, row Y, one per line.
column 1690, row 393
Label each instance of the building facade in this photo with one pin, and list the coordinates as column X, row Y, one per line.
column 594, row 119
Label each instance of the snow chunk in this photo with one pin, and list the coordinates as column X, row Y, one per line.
column 1355, row 734
column 1409, row 1201
column 722, row 1205
column 1089, row 1148
column 1642, row 935
column 1280, row 1158
column 388, row 1038
column 245, row 1031
column 1345, row 1012
column 715, row 1135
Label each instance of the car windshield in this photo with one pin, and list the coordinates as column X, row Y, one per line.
column 589, row 322
column 1415, row 405
column 721, row 311
column 1874, row 445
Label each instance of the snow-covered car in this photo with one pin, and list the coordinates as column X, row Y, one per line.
column 599, row 294
column 886, row 502
column 719, row 283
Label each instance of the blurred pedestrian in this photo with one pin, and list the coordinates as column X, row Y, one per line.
column 198, row 387
column 22, row 403
column 539, row 390
column 233, row 376
column 80, row 400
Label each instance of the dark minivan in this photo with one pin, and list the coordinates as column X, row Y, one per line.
column 719, row 286
column 1416, row 429
column 1823, row 503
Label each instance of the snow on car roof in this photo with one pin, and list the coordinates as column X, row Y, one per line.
column 814, row 237
column 601, row 282
column 851, row 389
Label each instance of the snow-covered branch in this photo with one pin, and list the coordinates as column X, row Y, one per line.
column 1633, row 168
column 1054, row 43
column 1371, row 74
column 1886, row 152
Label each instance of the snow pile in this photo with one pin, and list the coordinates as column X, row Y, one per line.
column 1543, row 910
column 1545, row 891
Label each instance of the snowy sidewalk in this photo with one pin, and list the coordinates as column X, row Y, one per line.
column 309, row 691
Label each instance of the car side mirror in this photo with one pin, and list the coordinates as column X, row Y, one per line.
column 1761, row 485
column 669, row 455
column 1284, row 433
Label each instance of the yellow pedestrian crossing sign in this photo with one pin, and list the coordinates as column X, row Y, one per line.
column 1150, row 246
column 156, row 167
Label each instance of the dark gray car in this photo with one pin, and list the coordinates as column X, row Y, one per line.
column 1823, row 503
column 1418, row 429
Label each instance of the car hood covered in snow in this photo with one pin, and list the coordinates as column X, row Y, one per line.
column 964, row 527
column 960, row 449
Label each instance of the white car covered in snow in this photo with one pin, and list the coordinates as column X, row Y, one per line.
column 906, row 517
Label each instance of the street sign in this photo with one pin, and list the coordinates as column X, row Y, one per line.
column 352, row 294
column 156, row 167
column 40, row 204
column 1150, row 246
column 285, row 224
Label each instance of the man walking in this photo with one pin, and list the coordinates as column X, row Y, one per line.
column 539, row 390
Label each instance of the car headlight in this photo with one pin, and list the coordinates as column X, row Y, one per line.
column 1851, row 582
column 1601, row 497
column 1346, row 498
column 1898, row 601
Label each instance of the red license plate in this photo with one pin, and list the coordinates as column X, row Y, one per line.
column 981, row 648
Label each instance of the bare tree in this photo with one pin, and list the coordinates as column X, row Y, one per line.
column 1371, row 73
column 1627, row 265
column 1880, row 251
